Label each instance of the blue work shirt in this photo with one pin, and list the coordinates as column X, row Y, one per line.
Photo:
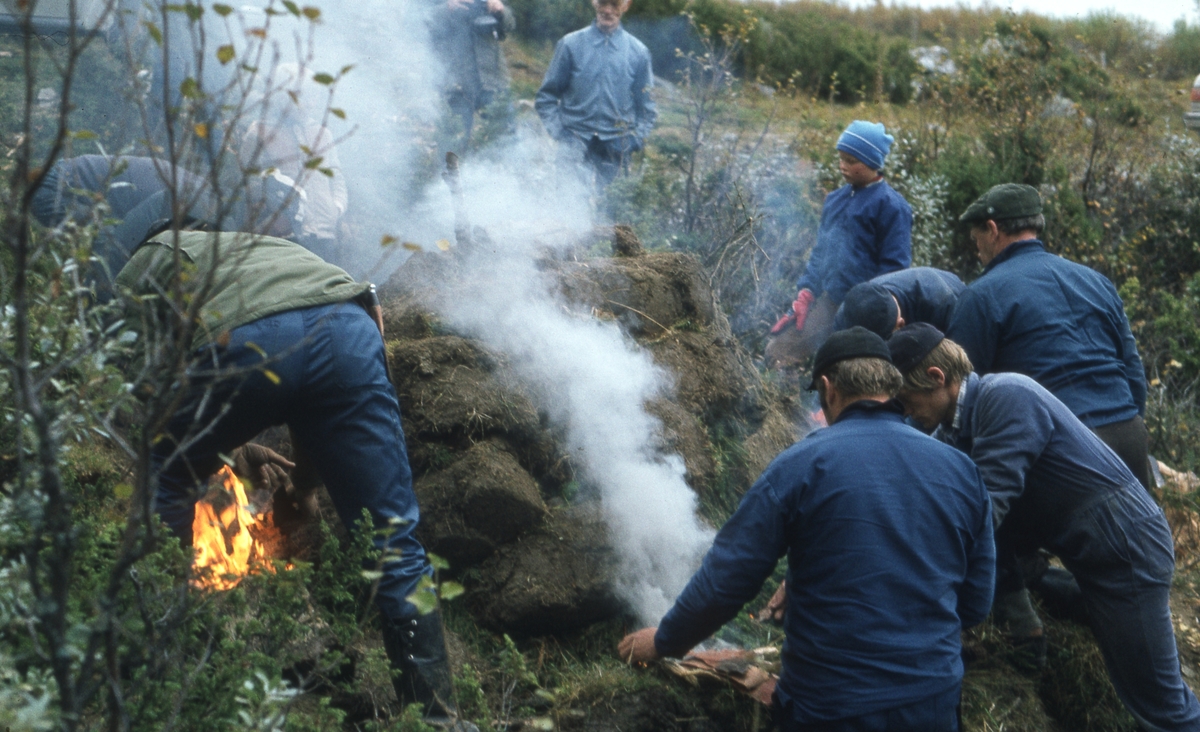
column 925, row 294
column 1058, row 322
column 864, row 232
column 598, row 84
column 890, row 553
column 1036, row 458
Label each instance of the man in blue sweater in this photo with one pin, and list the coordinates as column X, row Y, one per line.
column 896, row 299
column 1054, row 484
column 865, row 231
column 595, row 98
column 889, row 559
column 1055, row 321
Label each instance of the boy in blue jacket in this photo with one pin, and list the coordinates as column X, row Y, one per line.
column 865, row 231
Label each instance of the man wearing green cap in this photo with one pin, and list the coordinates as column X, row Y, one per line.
column 1058, row 322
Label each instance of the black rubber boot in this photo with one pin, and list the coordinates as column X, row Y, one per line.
column 417, row 649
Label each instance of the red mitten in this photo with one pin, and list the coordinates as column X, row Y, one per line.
column 782, row 323
column 804, row 300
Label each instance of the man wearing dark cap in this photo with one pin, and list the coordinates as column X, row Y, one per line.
column 1057, row 322
column 893, row 300
column 888, row 535
column 1054, row 484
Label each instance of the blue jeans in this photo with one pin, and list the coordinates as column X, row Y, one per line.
column 334, row 394
column 938, row 713
column 1121, row 553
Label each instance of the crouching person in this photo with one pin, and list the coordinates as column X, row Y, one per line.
column 282, row 337
column 1054, row 484
column 889, row 541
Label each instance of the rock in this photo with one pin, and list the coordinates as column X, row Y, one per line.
column 485, row 499
column 451, row 395
column 684, row 434
column 710, row 378
column 625, row 242
column 648, row 295
column 554, row 579
column 405, row 318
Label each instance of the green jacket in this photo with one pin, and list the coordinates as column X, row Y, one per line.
column 251, row 277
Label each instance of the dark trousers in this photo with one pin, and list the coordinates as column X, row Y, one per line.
column 1121, row 553
column 124, row 181
column 334, row 394
column 938, row 713
column 602, row 158
column 1131, row 441
column 794, row 347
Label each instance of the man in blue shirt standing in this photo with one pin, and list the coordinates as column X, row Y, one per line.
column 891, row 301
column 1060, row 323
column 595, row 97
column 1054, row 484
column 865, row 231
column 889, row 558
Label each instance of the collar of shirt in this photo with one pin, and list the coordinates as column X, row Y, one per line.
column 961, row 406
column 599, row 37
column 1017, row 248
column 870, row 408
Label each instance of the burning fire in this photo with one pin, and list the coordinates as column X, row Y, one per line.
column 228, row 537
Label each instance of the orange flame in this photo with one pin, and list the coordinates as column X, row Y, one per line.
column 228, row 537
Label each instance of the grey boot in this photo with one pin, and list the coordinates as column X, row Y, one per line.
column 417, row 649
column 1013, row 613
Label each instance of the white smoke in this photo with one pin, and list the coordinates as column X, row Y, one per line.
column 596, row 381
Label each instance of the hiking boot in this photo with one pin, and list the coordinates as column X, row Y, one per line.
column 417, row 649
column 1013, row 614
column 1061, row 596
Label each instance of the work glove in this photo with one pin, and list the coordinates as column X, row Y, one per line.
column 804, row 300
column 263, row 467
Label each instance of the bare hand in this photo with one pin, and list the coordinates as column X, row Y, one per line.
column 776, row 607
column 638, row 647
column 495, row 6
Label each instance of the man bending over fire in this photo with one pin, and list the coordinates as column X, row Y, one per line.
column 1055, row 484
column 283, row 337
column 889, row 559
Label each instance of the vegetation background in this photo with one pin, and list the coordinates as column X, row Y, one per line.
column 752, row 101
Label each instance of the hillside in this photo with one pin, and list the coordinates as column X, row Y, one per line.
column 571, row 339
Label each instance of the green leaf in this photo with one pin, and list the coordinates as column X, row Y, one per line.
column 372, row 575
column 345, row 69
column 450, row 590
column 327, row 172
column 437, row 562
column 272, row 376
column 337, row 112
column 222, row 9
column 292, row 7
column 425, row 602
column 225, row 53
column 190, row 89
column 313, row 14
column 83, row 135
column 323, row 78
column 313, row 163
column 123, row 491
column 154, row 32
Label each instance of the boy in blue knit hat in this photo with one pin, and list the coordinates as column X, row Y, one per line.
column 866, row 231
